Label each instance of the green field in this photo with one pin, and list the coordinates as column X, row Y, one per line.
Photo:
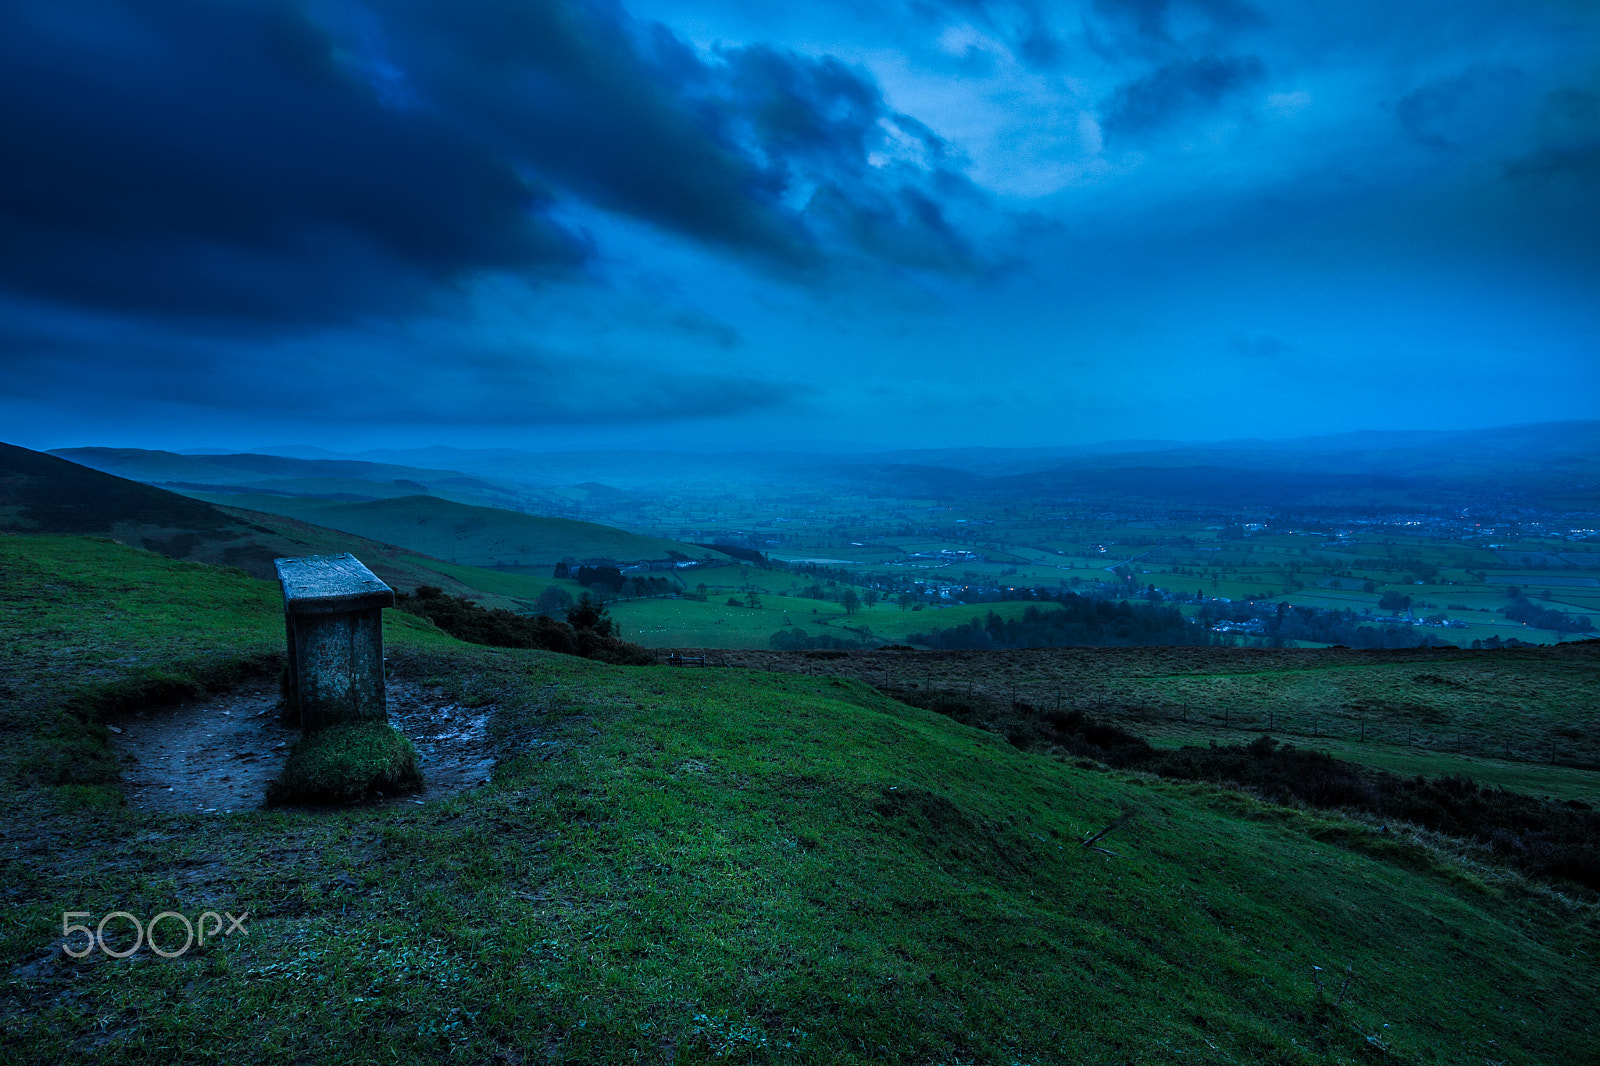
column 688, row 623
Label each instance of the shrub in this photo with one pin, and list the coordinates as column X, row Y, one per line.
column 588, row 631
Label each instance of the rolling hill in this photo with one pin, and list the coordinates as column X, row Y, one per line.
column 478, row 536
column 42, row 493
column 1553, row 465
column 336, row 479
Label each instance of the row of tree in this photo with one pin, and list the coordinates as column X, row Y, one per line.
column 1078, row 621
column 1086, row 621
column 1530, row 613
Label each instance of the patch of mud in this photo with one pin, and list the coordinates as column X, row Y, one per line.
column 218, row 753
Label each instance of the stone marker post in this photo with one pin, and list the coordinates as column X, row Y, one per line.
column 333, row 620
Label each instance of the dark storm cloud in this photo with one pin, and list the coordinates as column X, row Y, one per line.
column 818, row 111
column 1450, row 112
column 1175, row 91
column 194, row 157
column 286, row 162
column 632, row 122
column 725, row 149
column 336, row 380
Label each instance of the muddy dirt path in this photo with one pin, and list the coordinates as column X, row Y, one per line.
column 217, row 754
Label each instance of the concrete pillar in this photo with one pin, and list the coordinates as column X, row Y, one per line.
column 333, row 621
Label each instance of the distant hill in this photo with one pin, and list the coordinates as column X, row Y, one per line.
column 332, row 479
column 1554, row 465
column 478, row 536
column 1202, row 484
column 42, row 493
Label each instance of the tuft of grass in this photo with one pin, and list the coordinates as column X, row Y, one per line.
column 346, row 762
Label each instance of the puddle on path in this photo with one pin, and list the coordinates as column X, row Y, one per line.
column 218, row 753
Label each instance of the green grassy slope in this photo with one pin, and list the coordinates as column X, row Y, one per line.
column 1497, row 716
column 699, row 866
column 45, row 494
column 480, row 536
column 329, row 478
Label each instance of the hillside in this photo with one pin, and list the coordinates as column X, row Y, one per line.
column 698, row 866
column 478, row 536
column 41, row 493
column 346, row 479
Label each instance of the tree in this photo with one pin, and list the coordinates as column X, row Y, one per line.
column 751, row 599
column 553, row 599
column 904, row 601
column 590, row 614
column 609, row 576
column 1394, row 601
column 852, row 602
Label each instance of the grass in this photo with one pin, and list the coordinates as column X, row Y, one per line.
column 1436, row 709
column 511, row 587
column 734, row 865
column 687, row 623
column 348, row 761
column 87, row 621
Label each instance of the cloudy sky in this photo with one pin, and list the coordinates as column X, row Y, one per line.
column 883, row 222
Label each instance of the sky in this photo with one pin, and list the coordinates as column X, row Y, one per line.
column 837, row 224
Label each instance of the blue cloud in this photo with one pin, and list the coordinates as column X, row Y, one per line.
column 1449, row 113
column 294, row 163
column 1174, row 91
